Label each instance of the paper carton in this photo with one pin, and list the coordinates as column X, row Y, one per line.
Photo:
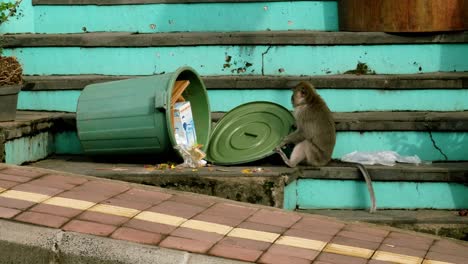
column 184, row 125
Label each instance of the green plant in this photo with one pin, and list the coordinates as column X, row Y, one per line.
column 10, row 68
column 8, row 9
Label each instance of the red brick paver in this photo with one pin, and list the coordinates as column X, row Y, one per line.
column 8, row 212
column 270, row 258
column 197, row 234
column 302, row 253
column 56, row 210
column 42, row 219
column 274, row 218
column 89, row 228
column 206, row 225
column 137, row 236
column 186, row 244
column 236, row 253
column 150, row 226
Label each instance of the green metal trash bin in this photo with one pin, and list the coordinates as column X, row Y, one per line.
column 133, row 116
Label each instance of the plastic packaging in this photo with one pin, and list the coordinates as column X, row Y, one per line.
column 193, row 156
column 387, row 158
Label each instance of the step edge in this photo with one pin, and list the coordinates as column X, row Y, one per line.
column 292, row 37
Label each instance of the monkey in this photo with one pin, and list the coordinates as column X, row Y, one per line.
column 315, row 136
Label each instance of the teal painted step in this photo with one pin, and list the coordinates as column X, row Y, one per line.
column 150, row 18
column 451, row 144
column 339, row 100
column 276, row 60
column 406, row 143
column 348, row 194
column 27, row 149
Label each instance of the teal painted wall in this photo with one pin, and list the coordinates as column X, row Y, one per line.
column 23, row 23
column 350, row 100
column 210, row 60
column 290, row 196
column 67, row 143
column 453, row 144
column 287, row 15
column 405, row 143
column 340, row 194
column 339, row 100
column 49, row 100
column 25, row 149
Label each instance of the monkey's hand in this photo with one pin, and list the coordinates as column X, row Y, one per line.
column 282, row 144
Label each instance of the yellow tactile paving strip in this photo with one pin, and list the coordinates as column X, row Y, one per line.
column 69, row 203
column 224, row 230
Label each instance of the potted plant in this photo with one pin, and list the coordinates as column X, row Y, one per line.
column 10, row 70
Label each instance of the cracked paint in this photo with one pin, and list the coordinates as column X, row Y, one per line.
column 263, row 59
column 437, row 147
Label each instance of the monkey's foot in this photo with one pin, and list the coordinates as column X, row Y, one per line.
column 284, row 157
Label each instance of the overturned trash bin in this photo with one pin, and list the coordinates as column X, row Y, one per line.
column 133, row 116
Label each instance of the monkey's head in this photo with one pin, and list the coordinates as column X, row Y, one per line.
column 303, row 93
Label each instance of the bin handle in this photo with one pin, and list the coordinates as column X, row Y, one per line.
column 160, row 101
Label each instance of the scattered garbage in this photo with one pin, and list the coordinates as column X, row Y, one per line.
column 113, row 169
column 162, row 166
column 184, row 128
column 193, row 156
column 387, row 158
column 254, row 170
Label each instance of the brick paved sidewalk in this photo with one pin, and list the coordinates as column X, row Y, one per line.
column 207, row 225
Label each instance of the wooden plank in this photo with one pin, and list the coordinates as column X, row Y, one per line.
column 345, row 81
column 129, row 39
column 402, row 16
column 177, row 91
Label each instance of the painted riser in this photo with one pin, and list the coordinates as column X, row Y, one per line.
column 27, row 149
column 339, row 100
column 339, row 194
column 223, row 17
column 452, row 144
column 277, row 60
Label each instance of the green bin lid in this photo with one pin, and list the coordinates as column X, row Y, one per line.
column 248, row 133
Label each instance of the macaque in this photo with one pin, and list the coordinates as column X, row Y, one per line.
column 315, row 136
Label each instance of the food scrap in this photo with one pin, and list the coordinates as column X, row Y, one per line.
column 254, row 170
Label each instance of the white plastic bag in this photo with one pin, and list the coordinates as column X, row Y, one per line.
column 387, row 158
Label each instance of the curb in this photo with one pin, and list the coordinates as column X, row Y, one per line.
column 23, row 243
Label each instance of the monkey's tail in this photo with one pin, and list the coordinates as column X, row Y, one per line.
column 370, row 188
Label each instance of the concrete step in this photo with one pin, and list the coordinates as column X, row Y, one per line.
column 243, row 53
column 430, row 135
column 438, row 222
column 437, row 185
column 343, row 93
column 294, row 37
column 438, row 80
